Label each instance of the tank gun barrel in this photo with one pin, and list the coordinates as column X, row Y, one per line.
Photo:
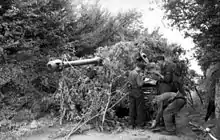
column 59, row 65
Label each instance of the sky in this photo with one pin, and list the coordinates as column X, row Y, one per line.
column 152, row 19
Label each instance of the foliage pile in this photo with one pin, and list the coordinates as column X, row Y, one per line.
column 93, row 95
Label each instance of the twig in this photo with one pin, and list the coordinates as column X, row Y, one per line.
column 197, row 92
column 76, row 127
column 190, row 101
column 62, row 116
column 199, row 95
column 100, row 113
column 204, row 130
column 103, row 118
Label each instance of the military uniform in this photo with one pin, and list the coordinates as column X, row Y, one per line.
column 136, row 99
column 166, row 84
column 170, row 103
column 171, row 83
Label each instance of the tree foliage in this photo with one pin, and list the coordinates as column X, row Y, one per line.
column 199, row 19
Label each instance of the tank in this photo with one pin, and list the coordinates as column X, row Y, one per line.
column 59, row 65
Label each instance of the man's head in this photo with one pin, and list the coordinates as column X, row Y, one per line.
column 140, row 67
column 160, row 60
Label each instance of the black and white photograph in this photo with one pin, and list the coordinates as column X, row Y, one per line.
column 109, row 69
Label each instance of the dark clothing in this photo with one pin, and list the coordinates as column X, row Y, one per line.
column 165, row 85
column 136, row 99
column 167, row 71
column 177, row 85
column 170, row 102
column 172, row 81
column 136, row 110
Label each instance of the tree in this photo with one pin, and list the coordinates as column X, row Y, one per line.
column 199, row 19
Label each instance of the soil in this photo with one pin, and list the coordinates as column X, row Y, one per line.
column 184, row 131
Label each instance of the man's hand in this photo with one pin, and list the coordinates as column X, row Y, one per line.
column 155, row 100
column 141, row 74
column 153, row 125
column 157, row 73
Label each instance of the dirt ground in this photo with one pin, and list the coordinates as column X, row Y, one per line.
column 185, row 132
column 125, row 135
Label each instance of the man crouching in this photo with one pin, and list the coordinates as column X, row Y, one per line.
column 136, row 97
column 169, row 104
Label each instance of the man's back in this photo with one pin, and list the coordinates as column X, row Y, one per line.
column 168, row 68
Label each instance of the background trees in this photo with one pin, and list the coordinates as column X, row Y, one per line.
column 198, row 19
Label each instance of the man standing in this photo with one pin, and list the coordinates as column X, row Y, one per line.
column 136, row 97
column 171, row 81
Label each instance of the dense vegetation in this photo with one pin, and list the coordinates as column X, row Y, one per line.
column 199, row 19
column 34, row 32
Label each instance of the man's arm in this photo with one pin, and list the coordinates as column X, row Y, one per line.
column 158, row 115
column 159, row 112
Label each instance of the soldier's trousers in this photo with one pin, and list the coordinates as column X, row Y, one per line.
column 170, row 112
column 136, row 110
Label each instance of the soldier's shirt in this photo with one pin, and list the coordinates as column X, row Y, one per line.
column 136, row 81
column 168, row 67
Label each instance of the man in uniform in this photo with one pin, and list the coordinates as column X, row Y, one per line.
column 136, row 98
column 168, row 105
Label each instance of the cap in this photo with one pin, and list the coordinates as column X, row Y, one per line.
column 141, row 57
column 144, row 57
